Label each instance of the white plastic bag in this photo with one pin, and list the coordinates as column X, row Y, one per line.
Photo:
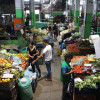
column 15, row 64
column 30, row 67
column 23, row 80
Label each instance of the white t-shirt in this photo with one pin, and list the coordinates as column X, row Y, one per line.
column 48, row 53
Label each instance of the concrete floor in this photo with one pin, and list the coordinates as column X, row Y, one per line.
column 50, row 90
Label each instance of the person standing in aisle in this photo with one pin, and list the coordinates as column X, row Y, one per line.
column 32, row 54
column 55, row 28
column 48, row 57
column 65, row 76
column 50, row 36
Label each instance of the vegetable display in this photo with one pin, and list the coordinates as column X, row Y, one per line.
column 89, row 82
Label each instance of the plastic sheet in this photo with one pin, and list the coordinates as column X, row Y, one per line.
column 95, row 39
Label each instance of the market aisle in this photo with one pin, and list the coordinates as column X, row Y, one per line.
column 47, row 90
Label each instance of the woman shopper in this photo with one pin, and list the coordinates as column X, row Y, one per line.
column 32, row 54
column 65, row 76
column 48, row 57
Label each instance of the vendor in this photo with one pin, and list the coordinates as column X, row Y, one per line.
column 32, row 54
column 66, row 76
column 67, row 35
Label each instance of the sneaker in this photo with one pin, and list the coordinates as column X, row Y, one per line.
column 39, row 76
column 48, row 79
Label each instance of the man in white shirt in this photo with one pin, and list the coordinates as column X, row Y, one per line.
column 48, row 57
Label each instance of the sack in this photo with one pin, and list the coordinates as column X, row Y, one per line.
column 25, row 90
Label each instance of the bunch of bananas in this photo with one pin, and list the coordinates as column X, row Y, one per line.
column 4, row 80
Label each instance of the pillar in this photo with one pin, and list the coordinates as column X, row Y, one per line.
column 88, row 20
column 32, row 13
column 19, row 6
column 41, row 13
column 72, row 9
column 76, row 14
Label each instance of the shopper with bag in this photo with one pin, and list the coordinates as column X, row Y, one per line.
column 32, row 54
column 48, row 57
column 65, row 76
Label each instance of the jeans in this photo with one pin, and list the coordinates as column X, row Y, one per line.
column 33, row 65
column 37, row 66
column 65, row 95
column 48, row 66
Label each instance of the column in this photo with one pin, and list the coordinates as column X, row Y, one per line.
column 23, row 12
column 41, row 13
column 88, row 20
column 19, row 6
column 32, row 13
column 72, row 9
column 76, row 15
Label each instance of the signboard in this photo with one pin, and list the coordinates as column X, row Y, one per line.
column 18, row 23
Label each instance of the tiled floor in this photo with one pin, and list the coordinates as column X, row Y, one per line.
column 47, row 90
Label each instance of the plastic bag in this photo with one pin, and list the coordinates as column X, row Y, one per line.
column 16, row 59
column 30, row 68
column 69, row 88
column 15, row 64
column 28, row 73
column 23, row 80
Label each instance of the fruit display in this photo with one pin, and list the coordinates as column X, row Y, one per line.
column 8, row 65
column 5, row 80
column 81, row 69
column 72, row 47
column 65, row 31
column 23, row 65
column 22, row 56
column 1, row 71
column 2, row 60
column 77, row 69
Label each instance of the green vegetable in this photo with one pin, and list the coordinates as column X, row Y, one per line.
column 89, row 82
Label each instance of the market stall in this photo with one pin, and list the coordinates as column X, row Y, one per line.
column 86, row 77
column 13, row 68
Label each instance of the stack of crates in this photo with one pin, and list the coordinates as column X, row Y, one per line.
column 8, row 92
column 39, row 46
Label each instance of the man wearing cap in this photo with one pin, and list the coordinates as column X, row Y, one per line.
column 47, row 51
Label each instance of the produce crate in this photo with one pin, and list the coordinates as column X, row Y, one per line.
column 86, row 91
column 74, row 53
column 85, row 51
column 85, row 97
column 8, row 93
column 7, row 84
column 41, row 61
column 80, row 75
